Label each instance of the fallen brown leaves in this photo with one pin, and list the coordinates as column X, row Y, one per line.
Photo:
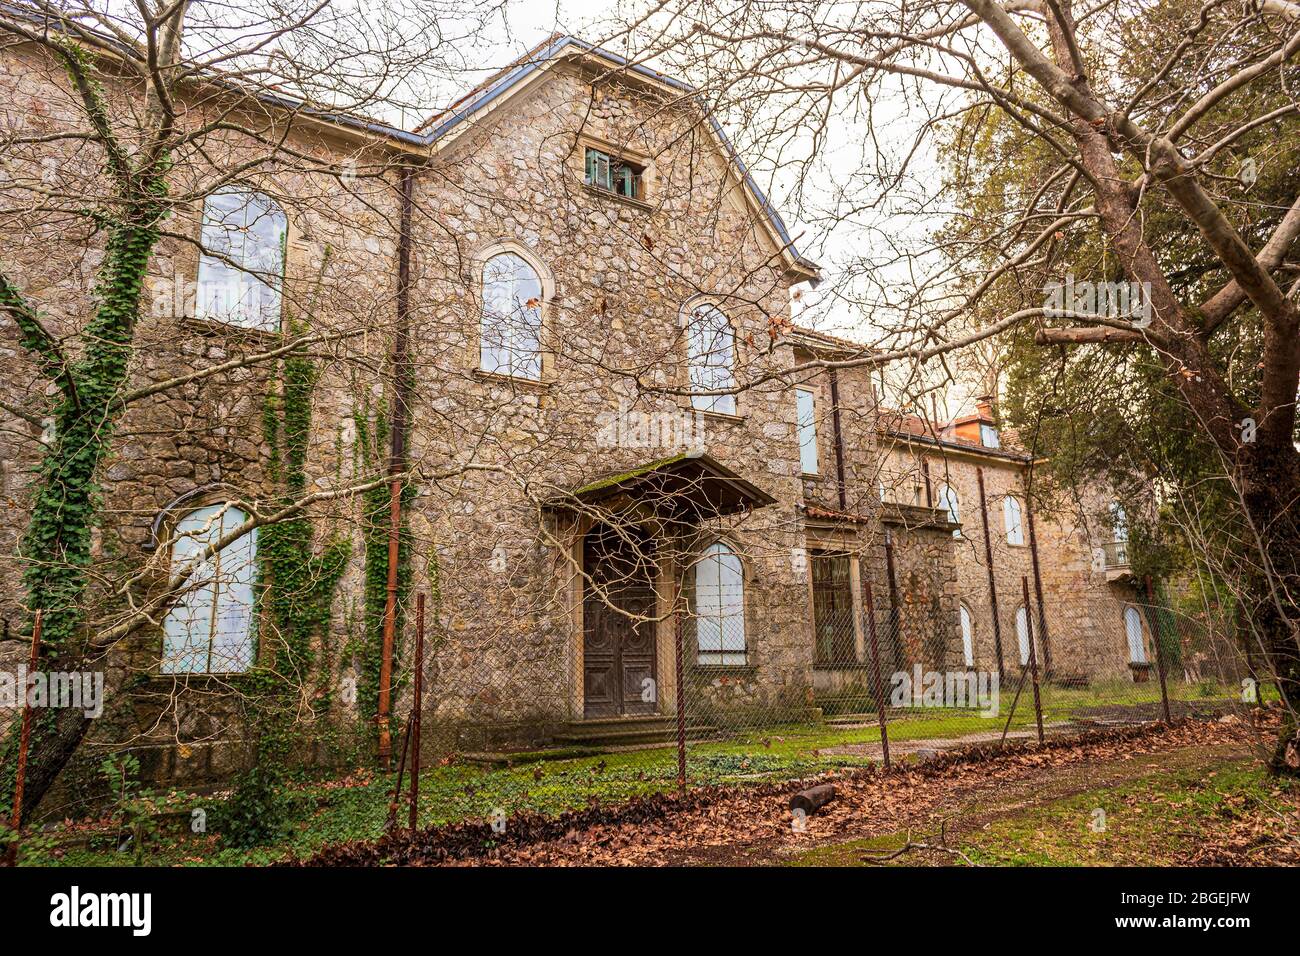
column 731, row 824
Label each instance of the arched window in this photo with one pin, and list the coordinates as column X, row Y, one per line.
column 947, row 500
column 1022, row 634
column 720, row 606
column 210, row 628
column 1011, row 518
column 510, row 331
column 967, row 636
column 711, row 347
column 1137, row 649
column 242, row 263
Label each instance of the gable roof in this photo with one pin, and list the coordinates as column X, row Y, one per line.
column 499, row 87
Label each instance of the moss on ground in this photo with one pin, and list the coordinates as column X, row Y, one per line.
column 1154, row 820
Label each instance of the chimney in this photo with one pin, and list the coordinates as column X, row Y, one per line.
column 984, row 406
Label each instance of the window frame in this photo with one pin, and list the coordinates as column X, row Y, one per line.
column 616, row 168
column 946, row 497
column 245, row 579
column 1141, row 636
column 1012, row 503
column 239, row 266
column 807, row 432
column 709, row 404
column 966, row 624
column 715, row 552
column 545, row 286
column 1022, row 645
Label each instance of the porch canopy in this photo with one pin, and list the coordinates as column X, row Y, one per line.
column 690, row 486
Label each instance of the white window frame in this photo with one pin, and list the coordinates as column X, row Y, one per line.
column 1013, row 520
column 989, row 437
column 1136, row 638
column 806, row 407
column 967, row 622
column 1022, row 634
column 238, row 282
column 948, row 499
column 711, row 356
column 719, row 599
column 510, row 339
column 210, row 628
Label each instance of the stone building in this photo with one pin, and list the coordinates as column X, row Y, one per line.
column 612, row 419
column 1086, row 625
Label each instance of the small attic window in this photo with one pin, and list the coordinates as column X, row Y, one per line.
column 614, row 175
column 989, row 437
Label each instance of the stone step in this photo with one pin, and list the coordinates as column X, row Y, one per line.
column 627, row 731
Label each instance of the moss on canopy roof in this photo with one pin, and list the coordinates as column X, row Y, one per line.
column 612, row 481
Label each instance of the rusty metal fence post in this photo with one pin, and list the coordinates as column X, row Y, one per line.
column 880, row 683
column 681, row 703
column 1033, row 658
column 417, row 709
column 1154, row 614
column 24, row 741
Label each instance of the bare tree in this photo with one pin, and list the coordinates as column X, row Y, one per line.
column 1124, row 146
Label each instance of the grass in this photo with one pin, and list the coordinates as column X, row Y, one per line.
column 356, row 807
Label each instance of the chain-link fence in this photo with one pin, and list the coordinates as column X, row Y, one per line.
column 693, row 699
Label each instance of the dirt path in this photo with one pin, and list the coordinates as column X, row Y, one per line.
column 757, row 829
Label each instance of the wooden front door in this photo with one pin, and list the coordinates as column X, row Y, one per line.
column 618, row 652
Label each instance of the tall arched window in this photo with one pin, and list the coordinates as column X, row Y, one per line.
column 242, row 263
column 947, row 500
column 1137, row 649
column 1011, row 518
column 210, row 628
column 1022, row 634
column 720, row 606
column 967, row 636
column 711, row 347
column 510, row 331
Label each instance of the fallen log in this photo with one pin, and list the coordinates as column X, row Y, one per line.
column 813, row 799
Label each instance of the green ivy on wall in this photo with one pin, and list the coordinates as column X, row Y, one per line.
column 296, row 591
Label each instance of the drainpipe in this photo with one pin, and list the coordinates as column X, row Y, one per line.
column 396, row 461
column 1038, row 593
column 895, row 613
column 993, row 585
column 838, row 436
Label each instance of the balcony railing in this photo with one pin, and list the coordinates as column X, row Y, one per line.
column 1116, row 554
